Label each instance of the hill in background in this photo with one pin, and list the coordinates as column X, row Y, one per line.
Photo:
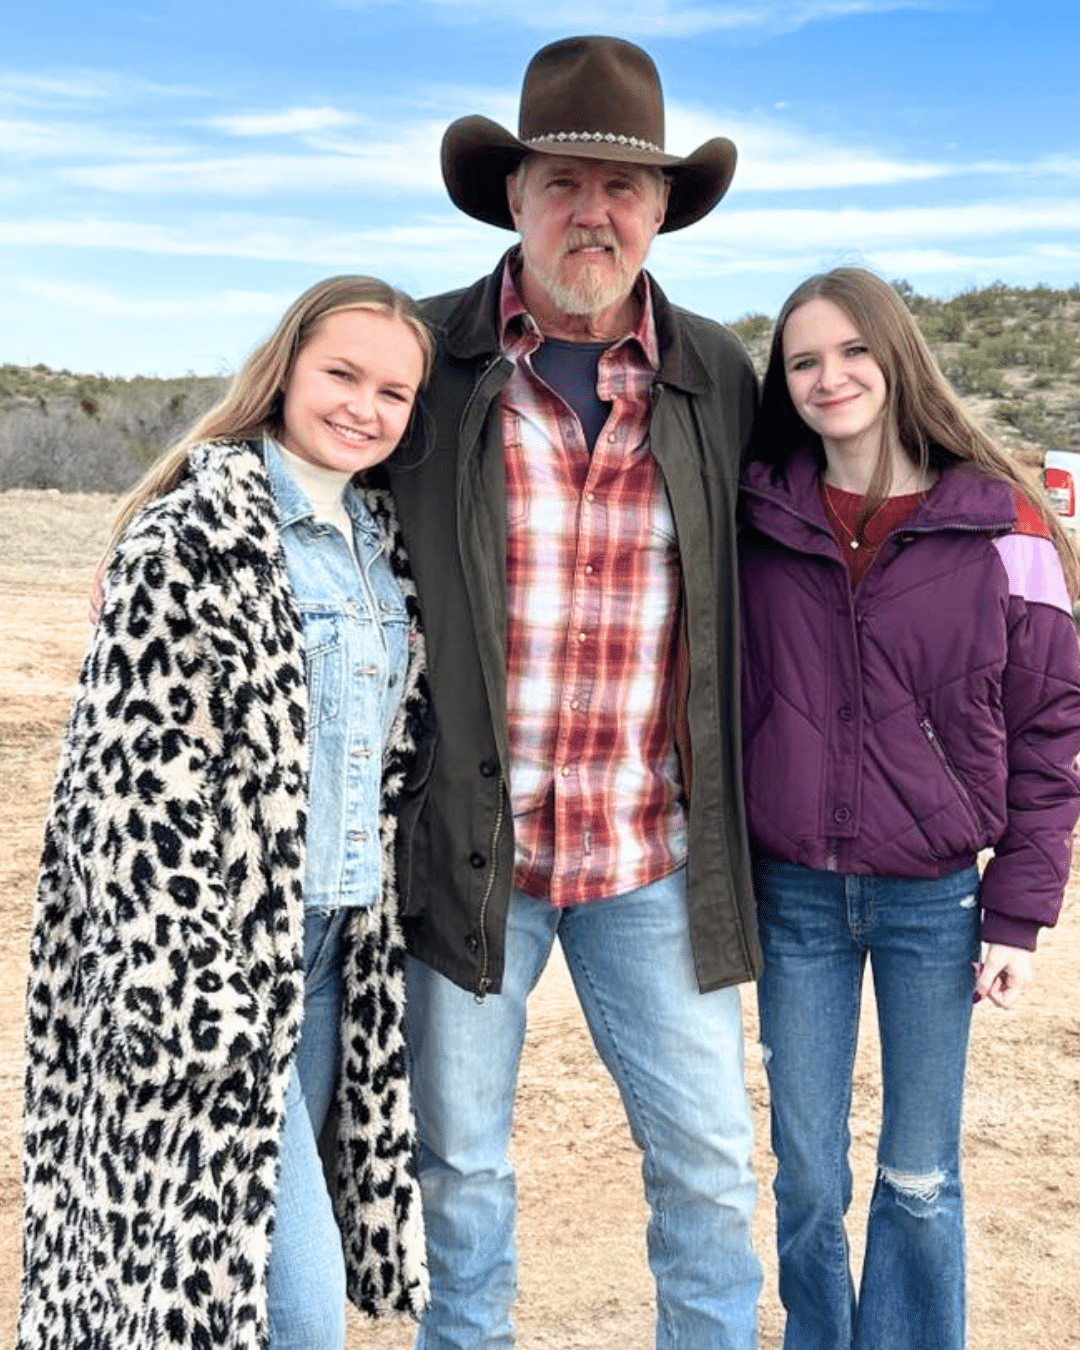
column 1013, row 353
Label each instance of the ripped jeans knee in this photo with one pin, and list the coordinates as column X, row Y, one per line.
column 917, row 1192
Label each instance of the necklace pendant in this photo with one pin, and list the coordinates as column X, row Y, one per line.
column 854, row 543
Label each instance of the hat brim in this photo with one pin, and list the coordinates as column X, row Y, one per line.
column 478, row 154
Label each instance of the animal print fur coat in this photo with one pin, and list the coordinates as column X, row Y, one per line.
column 166, row 976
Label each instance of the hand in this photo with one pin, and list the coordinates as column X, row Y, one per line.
column 1003, row 974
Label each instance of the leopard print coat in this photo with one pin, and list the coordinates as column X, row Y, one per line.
column 166, row 985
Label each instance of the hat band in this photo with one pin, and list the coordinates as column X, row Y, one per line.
column 608, row 137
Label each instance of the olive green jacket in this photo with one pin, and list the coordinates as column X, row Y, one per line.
column 457, row 856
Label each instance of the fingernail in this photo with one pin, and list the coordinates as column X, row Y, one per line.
column 976, row 997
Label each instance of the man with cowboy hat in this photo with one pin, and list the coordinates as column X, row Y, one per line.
column 570, row 519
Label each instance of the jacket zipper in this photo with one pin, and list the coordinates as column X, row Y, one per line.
column 946, row 763
column 483, row 980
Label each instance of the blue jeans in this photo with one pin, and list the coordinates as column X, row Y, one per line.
column 922, row 937
column 677, row 1058
column 306, row 1274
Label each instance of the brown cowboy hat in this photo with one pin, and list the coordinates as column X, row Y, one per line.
column 591, row 98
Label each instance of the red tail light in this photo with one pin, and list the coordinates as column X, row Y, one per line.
column 1060, row 490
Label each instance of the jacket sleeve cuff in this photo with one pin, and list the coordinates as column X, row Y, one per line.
column 1009, row 931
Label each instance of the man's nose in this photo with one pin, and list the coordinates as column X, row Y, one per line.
column 590, row 205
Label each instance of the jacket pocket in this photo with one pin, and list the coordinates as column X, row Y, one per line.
column 324, row 658
column 938, row 746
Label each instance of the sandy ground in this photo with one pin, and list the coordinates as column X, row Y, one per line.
column 584, row 1280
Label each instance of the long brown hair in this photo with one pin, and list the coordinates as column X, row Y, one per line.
column 253, row 403
column 923, row 413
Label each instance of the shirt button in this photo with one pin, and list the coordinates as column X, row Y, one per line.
column 841, row 815
column 581, row 637
column 360, row 836
column 589, row 569
column 477, row 860
column 565, row 771
column 363, row 752
column 574, row 704
column 844, row 712
column 612, row 436
column 590, row 496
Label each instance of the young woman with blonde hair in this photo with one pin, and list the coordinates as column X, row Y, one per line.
column 911, row 696
column 216, row 967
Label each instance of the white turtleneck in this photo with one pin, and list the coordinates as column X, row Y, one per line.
column 324, row 488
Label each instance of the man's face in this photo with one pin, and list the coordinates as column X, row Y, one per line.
column 585, row 226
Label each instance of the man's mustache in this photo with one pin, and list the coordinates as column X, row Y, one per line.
column 601, row 237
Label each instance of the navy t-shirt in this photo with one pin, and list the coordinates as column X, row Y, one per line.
column 571, row 369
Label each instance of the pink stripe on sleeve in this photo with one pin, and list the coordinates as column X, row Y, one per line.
column 1034, row 570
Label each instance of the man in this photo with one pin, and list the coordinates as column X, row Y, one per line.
column 570, row 522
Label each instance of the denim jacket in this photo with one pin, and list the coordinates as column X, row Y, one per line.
column 355, row 636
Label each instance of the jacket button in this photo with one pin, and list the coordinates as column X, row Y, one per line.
column 841, row 815
column 472, row 943
column 477, row 860
column 489, row 767
column 844, row 712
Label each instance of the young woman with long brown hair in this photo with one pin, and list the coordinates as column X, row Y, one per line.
column 911, row 697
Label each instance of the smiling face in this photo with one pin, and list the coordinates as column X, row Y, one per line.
column 836, row 385
column 351, row 390
column 585, row 226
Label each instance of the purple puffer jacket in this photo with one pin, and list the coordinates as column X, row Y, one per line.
column 935, row 711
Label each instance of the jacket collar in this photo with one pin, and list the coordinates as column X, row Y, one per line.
column 471, row 332
column 788, row 505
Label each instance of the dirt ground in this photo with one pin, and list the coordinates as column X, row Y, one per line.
column 584, row 1280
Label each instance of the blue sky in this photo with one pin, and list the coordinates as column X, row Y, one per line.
column 171, row 176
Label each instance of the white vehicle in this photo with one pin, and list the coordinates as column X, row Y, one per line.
column 1061, row 478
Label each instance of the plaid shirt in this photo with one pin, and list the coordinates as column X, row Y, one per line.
column 593, row 585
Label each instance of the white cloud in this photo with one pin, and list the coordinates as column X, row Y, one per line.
column 287, row 122
column 80, row 86
column 658, row 18
column 376, row 168
column 99, row 300
column 75, row 140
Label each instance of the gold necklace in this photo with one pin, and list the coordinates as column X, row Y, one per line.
column 830, row 508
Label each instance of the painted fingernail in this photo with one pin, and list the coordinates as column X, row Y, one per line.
column 976, row 997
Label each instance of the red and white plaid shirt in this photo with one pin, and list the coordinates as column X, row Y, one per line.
column 593, row 583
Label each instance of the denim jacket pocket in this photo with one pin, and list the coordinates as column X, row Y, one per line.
column 324, row 656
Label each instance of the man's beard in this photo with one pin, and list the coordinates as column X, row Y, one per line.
column 592, row 290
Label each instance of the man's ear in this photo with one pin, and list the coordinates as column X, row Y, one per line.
column 665, row 193
column 513, row 196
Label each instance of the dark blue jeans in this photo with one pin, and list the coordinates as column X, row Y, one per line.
column 922, row 936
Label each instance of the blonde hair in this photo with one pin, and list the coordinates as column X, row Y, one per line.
column 253, row 403
column 924, row 415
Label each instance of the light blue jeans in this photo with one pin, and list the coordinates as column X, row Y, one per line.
column 306, row 1274
column 677, row 1058
column 922, row 937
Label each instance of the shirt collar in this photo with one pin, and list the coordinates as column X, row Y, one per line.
column 292, row 504
column 518, row 330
